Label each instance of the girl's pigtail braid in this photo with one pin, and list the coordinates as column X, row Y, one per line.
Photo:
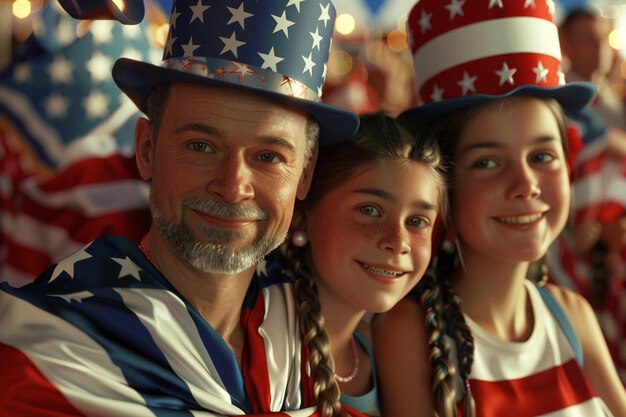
column 457, row 327
column 314, row 336
column 443, row 372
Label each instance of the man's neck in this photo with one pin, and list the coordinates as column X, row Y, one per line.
column 217, row 297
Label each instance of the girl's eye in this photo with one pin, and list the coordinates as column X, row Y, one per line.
column 269, row 157
column 200, row 147
column 485, row 164
column 419, row 222
column 543, row 157
column 369, row 210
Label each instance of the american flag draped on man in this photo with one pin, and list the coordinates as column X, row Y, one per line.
column 102, row 332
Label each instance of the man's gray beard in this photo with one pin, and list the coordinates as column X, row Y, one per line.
column 212, row 257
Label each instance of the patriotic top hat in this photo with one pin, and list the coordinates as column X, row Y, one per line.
column 467, row 52
column 275, row 48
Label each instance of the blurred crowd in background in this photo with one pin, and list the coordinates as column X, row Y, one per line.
column 67, row 171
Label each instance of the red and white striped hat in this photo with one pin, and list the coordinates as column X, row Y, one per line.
column 466, row 52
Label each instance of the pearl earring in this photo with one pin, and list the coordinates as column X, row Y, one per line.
column 299, row 239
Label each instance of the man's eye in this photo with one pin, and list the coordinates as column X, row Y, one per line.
column 269, row 157
column 200, row 147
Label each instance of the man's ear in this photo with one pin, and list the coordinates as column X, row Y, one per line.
column 307, row 175
column 144, row 152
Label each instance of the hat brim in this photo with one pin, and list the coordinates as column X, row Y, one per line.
column 572, row 97
column 137, row 79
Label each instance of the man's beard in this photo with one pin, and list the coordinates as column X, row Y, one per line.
column 215, row 256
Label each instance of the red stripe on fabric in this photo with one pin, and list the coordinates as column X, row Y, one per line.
column 487, row 81
column 83, row 228
column 545, row 392
column 569, row 262
column 590, row 166
column 479, row 12
column 25, row 391
column 23, row 258
column 254, row 359
column 94, row 171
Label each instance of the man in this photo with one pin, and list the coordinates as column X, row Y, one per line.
column 584, row 38
column 192, row 321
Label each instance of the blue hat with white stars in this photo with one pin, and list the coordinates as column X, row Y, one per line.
column 275, row 48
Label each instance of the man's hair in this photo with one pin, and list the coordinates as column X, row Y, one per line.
column 574, row 15
column 157, row 103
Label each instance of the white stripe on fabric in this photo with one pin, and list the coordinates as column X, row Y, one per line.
column 603, row 186
column 588, row 408
column 557, row 266
column 282, row 345
column 37, row 127
column 74, row 363
column 93, row 200
column 50, row 240
column 91, row 143
column 482, row 40
column 166, row 317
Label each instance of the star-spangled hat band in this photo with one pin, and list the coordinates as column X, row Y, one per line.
column 274, row 48
column 467, row 52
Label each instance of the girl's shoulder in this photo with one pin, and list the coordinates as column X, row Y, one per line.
column 575, row 305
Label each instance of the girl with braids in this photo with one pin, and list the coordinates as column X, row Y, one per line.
column 490, row 341
column 359, row 242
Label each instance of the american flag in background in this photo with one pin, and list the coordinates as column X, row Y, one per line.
column 599, row 194
column 67, row 170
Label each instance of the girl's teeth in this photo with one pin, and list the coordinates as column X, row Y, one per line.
column 381, row 271
column 531, row 218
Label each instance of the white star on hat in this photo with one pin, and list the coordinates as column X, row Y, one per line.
column 174, row 18
column 294, row 3
column 283, row 24
column 424, row 22
column 270, row 60
column 325, row 16
column 190, row 47
column 456, row 8
column 495, row 3
column 467, row 83
column 528, row 3
column 316, row 39
column 540, row 72
column 308, row 64
column 231, row 44
column 437, row 94
column 506, row 74
column 239, row 16
column 198, row 11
